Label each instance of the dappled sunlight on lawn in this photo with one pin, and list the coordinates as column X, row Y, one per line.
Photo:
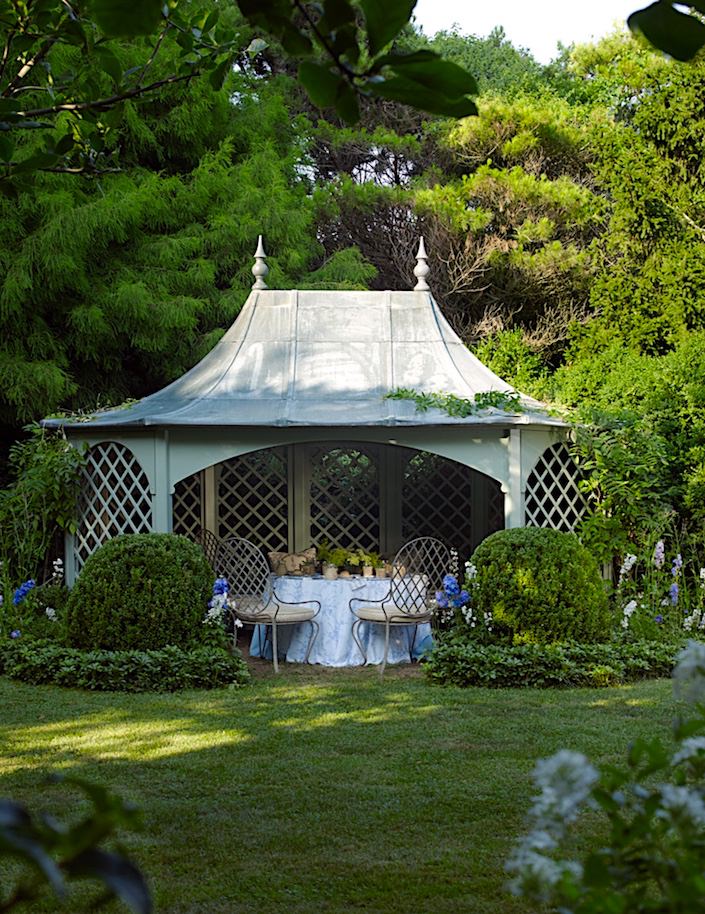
column 62, row 744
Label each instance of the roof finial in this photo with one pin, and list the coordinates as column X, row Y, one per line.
column 422, row 269
column 260, row 269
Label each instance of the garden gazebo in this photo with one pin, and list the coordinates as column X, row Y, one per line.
column 284, row 434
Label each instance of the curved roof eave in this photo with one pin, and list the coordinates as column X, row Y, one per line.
column 311, row 358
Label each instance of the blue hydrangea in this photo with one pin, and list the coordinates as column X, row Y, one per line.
column 450, row 585
column 15, row 633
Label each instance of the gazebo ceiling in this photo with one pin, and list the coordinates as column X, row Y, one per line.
column 315, row 358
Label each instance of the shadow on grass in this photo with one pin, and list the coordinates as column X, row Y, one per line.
column 319, row 790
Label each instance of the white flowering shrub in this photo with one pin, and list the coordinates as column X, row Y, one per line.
column 653, row 858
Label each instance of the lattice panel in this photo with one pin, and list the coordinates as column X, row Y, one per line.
column 345, row 497
column 253, row 496
column 187, row 506
column 553, row 498
column 436, row 500
column 114, row 499
column 495, row 507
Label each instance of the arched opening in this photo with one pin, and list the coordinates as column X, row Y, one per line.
column 354, row 494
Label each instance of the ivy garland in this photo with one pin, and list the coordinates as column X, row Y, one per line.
column 458, row 406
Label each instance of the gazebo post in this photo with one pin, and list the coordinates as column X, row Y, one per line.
column 514, row 501
column 161, row 497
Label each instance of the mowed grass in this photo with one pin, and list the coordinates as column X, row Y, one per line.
column 318, row 790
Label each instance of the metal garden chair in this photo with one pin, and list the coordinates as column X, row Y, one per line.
column 252, row 594
column 418, row 569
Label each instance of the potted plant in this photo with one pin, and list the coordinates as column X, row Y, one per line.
column 370, row 561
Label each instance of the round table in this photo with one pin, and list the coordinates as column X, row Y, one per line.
column 334, row 645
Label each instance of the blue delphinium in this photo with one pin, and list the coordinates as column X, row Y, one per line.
column 22, row 591
column 15, row 633
column 451, row 595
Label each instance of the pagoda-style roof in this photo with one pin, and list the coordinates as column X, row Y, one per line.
column 315, row 358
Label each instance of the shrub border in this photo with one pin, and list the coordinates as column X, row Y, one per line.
column 169, row 669
column 456, row 662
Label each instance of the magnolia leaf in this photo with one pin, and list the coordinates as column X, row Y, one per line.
column 346, row 103
column 410, row 92
column 256, row 46
column 217, row 76
column 677, row 34
column 109, row 63
column 385, row 20
column 432, row 71
column 125, row 18
column 321, row 84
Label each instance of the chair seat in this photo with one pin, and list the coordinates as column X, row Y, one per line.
column 392, row 614
column 283, row 615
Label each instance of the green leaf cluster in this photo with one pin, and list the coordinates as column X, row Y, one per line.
column 457, row 661
column 52, row 853
column 167, row 669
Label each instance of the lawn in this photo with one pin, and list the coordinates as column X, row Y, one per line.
column 318, row 790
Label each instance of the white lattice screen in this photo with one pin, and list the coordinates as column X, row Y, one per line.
column 553, row 498
column 114, row 499
column 253, row 495
column 344, row 492
column 188, row 506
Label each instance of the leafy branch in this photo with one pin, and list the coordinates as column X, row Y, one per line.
column 61, row 854
column 458, row 407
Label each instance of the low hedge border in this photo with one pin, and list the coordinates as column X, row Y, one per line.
column 169, row 669
column 455, row 662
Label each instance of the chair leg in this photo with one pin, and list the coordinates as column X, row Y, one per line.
column 355, row 629
column 312, row 639
column 413, row 643
column 275, row 650
column 386, row 649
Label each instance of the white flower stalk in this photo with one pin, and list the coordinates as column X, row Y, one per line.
column 627, row 565
column 690, row 748
column 537, row 874
column 689, row 673
column 683, row 806
column 566, row 780
column 50, row 613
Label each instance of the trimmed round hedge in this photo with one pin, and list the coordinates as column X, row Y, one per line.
column 141, row 591
column 541, row 586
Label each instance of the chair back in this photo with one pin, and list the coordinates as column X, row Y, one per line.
column 247, row 572
column 418, row 570
column 209, row 542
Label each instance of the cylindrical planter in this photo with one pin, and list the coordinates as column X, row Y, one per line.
column 330, row 572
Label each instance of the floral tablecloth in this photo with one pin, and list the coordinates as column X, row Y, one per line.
column 334, row 645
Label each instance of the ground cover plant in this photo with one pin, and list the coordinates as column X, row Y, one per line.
column 359, row 795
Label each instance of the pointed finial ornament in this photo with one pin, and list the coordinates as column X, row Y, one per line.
column 260, row 269
column 422, row 269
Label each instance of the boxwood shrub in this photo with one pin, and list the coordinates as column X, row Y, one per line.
column 455, row 661
column 169, row 669
column 140, row 591
column 541, row 586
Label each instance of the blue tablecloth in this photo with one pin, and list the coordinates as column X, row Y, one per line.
column 334, row 645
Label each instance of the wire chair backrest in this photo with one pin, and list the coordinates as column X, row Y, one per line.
column 418, row 570
column 247, row 572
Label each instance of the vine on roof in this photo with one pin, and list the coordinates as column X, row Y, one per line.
column 459, row 407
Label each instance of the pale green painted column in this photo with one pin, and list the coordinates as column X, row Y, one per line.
column 513, row 495
column 161, row 497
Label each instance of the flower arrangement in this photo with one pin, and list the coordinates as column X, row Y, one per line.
column 653, row 856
